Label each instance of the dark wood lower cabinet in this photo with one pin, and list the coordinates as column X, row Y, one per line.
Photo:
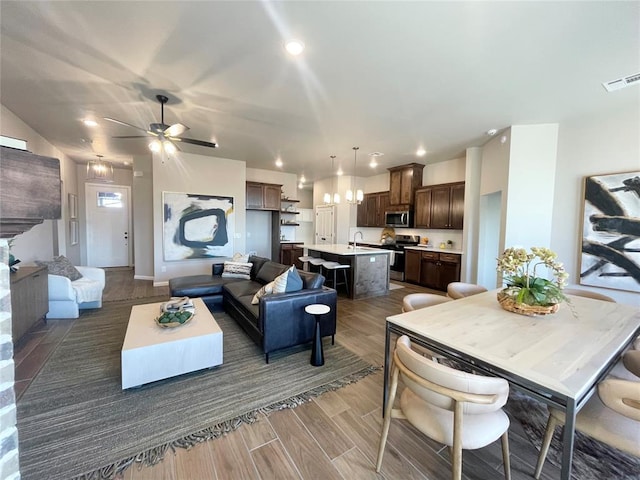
column 290, row 254
column 432, row 269
column 29, row 299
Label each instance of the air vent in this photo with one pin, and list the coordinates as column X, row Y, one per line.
column 622, row 82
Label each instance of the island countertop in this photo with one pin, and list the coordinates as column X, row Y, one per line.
column 343, row 249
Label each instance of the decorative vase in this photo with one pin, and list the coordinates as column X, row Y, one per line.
column 509, row 303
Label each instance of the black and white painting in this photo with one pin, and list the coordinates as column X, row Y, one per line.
column 197, row 226
column 611, row 232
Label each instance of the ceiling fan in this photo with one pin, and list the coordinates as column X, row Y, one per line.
column 166, row 136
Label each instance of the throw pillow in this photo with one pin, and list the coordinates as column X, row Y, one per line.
column 237, row 270
column 294, row 282
column 280, row 282
column 265, row 290
column 239, row 257
column 61, row 266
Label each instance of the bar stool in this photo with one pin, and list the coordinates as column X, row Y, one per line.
column 305, row 261
column 334, row 267
column 316, row 262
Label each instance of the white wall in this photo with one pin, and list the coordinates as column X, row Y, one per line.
column 51, row 237
column 591, row 146
column 198, row 174
column 142, row 210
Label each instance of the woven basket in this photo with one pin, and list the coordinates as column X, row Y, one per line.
column 509, row 304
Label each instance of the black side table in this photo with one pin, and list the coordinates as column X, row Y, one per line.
column 317, row 353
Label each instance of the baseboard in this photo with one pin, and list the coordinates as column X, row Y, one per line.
column 161, row 284
column 142, row 277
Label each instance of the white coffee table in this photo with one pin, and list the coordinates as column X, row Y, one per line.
column 151, row 353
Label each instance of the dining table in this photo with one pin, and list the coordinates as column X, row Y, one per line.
column 558, row 359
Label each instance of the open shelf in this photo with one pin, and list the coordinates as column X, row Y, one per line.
column 289, row 200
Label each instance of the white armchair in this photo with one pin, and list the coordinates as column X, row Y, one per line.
column 67, row 298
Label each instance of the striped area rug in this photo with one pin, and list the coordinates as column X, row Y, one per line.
column 74, row 421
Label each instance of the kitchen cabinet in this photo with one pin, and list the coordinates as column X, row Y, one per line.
column 430, row 269
column 403, row 181
column 263, row 196
column 440, row 206
column 412, row 260
column 290, row 254
column 371, row 210
column 29, row 299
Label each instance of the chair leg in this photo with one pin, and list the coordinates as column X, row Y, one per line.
column 266, row 358
column 456, row 461
column 544, row 449
column 346, row 282
column 506, row 461
column 387, row 416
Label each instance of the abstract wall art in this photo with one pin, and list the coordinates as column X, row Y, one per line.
column 197, row 226
column 611, row 232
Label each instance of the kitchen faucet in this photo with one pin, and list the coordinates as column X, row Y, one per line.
column 354, row 238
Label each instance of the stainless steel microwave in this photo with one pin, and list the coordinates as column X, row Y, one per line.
column 401, row 219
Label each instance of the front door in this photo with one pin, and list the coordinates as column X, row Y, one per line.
column 108, row 225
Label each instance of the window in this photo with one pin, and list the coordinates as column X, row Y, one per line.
column 110, row 199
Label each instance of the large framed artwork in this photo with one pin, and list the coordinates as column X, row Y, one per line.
column 611, row 232
column 197, row 226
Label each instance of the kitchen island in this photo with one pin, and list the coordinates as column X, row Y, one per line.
column 368, row 274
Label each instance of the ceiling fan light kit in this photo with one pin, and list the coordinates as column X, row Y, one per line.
column 166, row 136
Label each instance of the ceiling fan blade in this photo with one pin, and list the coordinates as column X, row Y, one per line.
column 129, row 136
column 125, row 124
column 192, row 141
column 176, row 129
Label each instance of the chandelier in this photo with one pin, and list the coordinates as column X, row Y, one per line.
column 99, row 171
column 354, row 196
column 335, row 196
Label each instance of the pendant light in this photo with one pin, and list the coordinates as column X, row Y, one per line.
column 99, row 171
column 334, row 196
column 354, row 196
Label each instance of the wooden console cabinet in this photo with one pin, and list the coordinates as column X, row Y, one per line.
column 29, row 299
column 430, row 269
column 290, row 254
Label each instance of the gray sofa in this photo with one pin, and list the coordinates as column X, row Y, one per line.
column 278, row 321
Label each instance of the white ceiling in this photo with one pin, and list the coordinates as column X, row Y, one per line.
column 384, row 76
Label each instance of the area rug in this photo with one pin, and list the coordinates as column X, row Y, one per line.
column 592, row 460
column 74, row 421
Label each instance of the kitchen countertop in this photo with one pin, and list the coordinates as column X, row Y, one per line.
column 434, row 249
column 343, row 249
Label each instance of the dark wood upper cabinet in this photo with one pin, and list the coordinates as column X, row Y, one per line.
column 422, row 216
column 372, row 209
column 263, row 196
column 440, row 206
column 403, row 181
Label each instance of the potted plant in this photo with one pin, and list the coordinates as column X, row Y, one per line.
column 527, row 292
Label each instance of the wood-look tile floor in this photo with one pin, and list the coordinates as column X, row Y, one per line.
column 335, row 436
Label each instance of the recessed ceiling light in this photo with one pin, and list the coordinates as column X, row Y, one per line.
column 300, row 186
column 294, row 47
column 421, row 152
column 90, row 123
column 373, row 163
column 492, row 132
column 339, row 172
column 278, row 163
column 302, row 179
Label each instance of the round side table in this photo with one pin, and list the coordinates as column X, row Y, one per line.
column 317, row 353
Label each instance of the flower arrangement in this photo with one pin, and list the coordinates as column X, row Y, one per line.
column 524, row 286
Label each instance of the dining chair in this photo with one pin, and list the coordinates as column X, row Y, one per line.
column 458, row 409
column 611, row 416
column 457, row 290
column 415, row 301
column 587, row 294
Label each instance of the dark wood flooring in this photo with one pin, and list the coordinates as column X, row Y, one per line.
column 335, row 436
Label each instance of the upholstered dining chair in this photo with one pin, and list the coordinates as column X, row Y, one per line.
column 588, row 294
column 457, row 290
column 611, row 416
column 458, row 409
column 414, row 301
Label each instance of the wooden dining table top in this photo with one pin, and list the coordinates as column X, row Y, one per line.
column 564, row 353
